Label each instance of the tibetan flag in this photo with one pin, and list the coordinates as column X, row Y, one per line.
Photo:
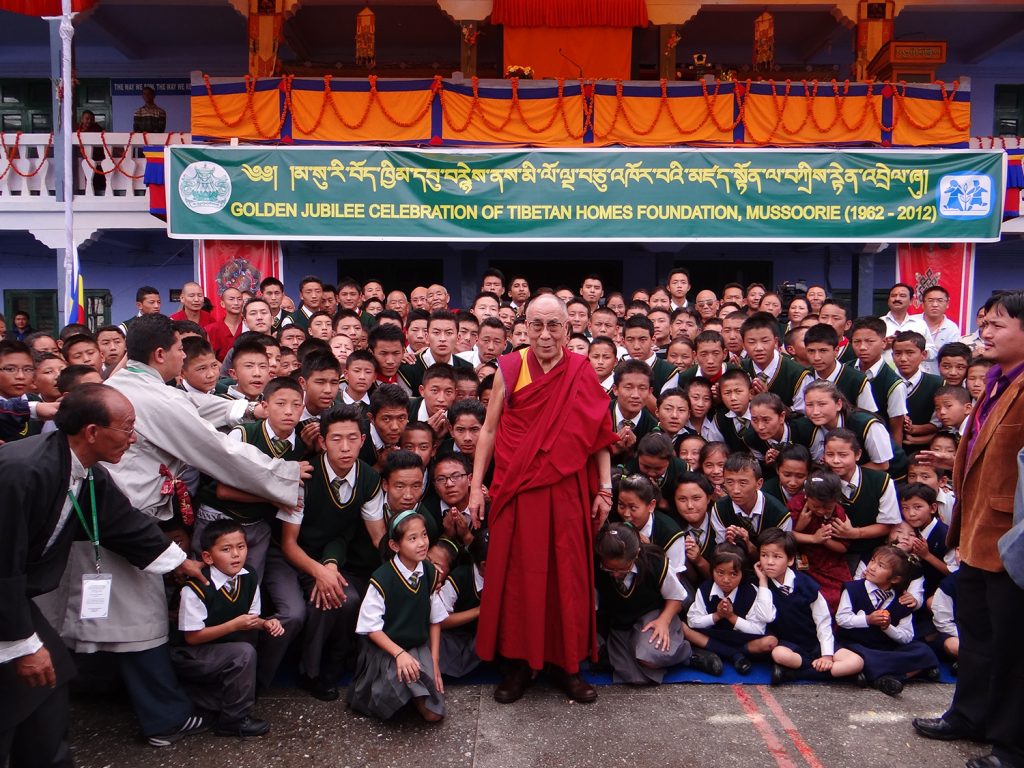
column 75, row 292
column 1014, row 184
column 154, row 181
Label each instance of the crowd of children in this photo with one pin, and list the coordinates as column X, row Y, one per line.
column 776, row 495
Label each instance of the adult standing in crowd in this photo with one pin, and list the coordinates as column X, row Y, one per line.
column 547, row 429
column 56, row 491
column 172, row 434
column 988, row 704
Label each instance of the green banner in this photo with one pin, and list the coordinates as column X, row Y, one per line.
column 360, row 193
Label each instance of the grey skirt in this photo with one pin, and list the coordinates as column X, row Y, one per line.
column 376, row 690
column 637, row 661
column 458, row 653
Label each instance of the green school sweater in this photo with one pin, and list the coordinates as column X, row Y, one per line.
column 406, row 610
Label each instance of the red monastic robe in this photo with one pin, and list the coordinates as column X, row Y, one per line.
column 538, row 605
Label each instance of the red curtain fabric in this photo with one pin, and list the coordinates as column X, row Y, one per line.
column 44, row 7
column 570, row 13
column 601, row 53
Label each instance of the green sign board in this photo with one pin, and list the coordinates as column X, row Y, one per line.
column 361, row 193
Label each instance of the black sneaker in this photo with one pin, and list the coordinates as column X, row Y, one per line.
column 706, row 661
column 247, row 726
column 193, row 724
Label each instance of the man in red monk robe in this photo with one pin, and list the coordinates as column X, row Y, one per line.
column 548, row 431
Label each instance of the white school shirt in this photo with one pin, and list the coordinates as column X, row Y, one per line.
column 902, row 631
column 754, row 623
column 708, row 430
column 878, row 444
column 865, row 400
column 754, row 517
column 915, row 589
column 896, row 402
column 347, row 399
column 192, row 611
column 698, row 532
column 369, row 511
column 772, row 368
column 949, row 557
column 945, row 499
column 671, row 587
column 619, row 418
column 819, row 613
column 888, row 504
column 676, row 553
column 371, row 610
column 447, row 594
column 942, row 614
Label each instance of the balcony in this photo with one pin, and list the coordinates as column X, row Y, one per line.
column 107, row 170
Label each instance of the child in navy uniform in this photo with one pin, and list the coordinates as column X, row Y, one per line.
column 921, row 511
column 218, row 620
column 639, row 600
column 729, row 615
column 460, row 596
column 943, row 605
column 400, row 617
column 799, row 616
column 878, row 628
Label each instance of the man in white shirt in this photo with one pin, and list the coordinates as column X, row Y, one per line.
column 898, row 318
column 939, row 329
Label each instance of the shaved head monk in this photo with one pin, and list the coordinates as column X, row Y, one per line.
column 548, row 431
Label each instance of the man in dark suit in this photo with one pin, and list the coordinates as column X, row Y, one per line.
column 54, row 492
column 988, row 704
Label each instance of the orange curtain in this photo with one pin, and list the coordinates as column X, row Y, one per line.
column 570, row 13
column 602, row 53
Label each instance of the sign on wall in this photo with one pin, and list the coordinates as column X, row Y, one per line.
column 360, row 193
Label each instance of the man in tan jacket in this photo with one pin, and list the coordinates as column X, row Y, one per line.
column 988, row 704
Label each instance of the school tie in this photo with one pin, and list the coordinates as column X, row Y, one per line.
column 741, row 424
column 414, row 580
column 695, row 532
column 625, row 423
column 785, row 589
column 339, row 488
column 849, row 491
column 278, row 445
column 880, row 596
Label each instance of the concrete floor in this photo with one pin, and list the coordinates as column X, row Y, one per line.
column 674, row 726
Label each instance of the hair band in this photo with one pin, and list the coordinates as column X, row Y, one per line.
column 397, row 519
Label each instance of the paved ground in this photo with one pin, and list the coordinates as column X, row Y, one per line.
column 675, row 726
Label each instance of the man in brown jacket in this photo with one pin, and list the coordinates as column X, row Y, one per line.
column 988, row 704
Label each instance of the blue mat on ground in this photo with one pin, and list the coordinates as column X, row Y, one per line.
column 488, row 674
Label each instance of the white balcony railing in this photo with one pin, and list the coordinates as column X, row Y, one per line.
column 104, row 165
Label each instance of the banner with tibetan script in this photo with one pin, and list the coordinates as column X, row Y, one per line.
column 362, row 193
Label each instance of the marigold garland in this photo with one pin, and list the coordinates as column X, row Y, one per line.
column 780, row 94
column 9, row 156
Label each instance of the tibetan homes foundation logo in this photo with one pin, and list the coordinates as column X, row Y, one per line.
column 204, row 187
column 965, row 196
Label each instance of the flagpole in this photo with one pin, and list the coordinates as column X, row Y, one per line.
column 70, row 271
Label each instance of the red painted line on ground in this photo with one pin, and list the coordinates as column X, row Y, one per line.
column 805, row 750
column 767, row 733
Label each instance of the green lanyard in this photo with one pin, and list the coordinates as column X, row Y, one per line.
column 94, row 534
